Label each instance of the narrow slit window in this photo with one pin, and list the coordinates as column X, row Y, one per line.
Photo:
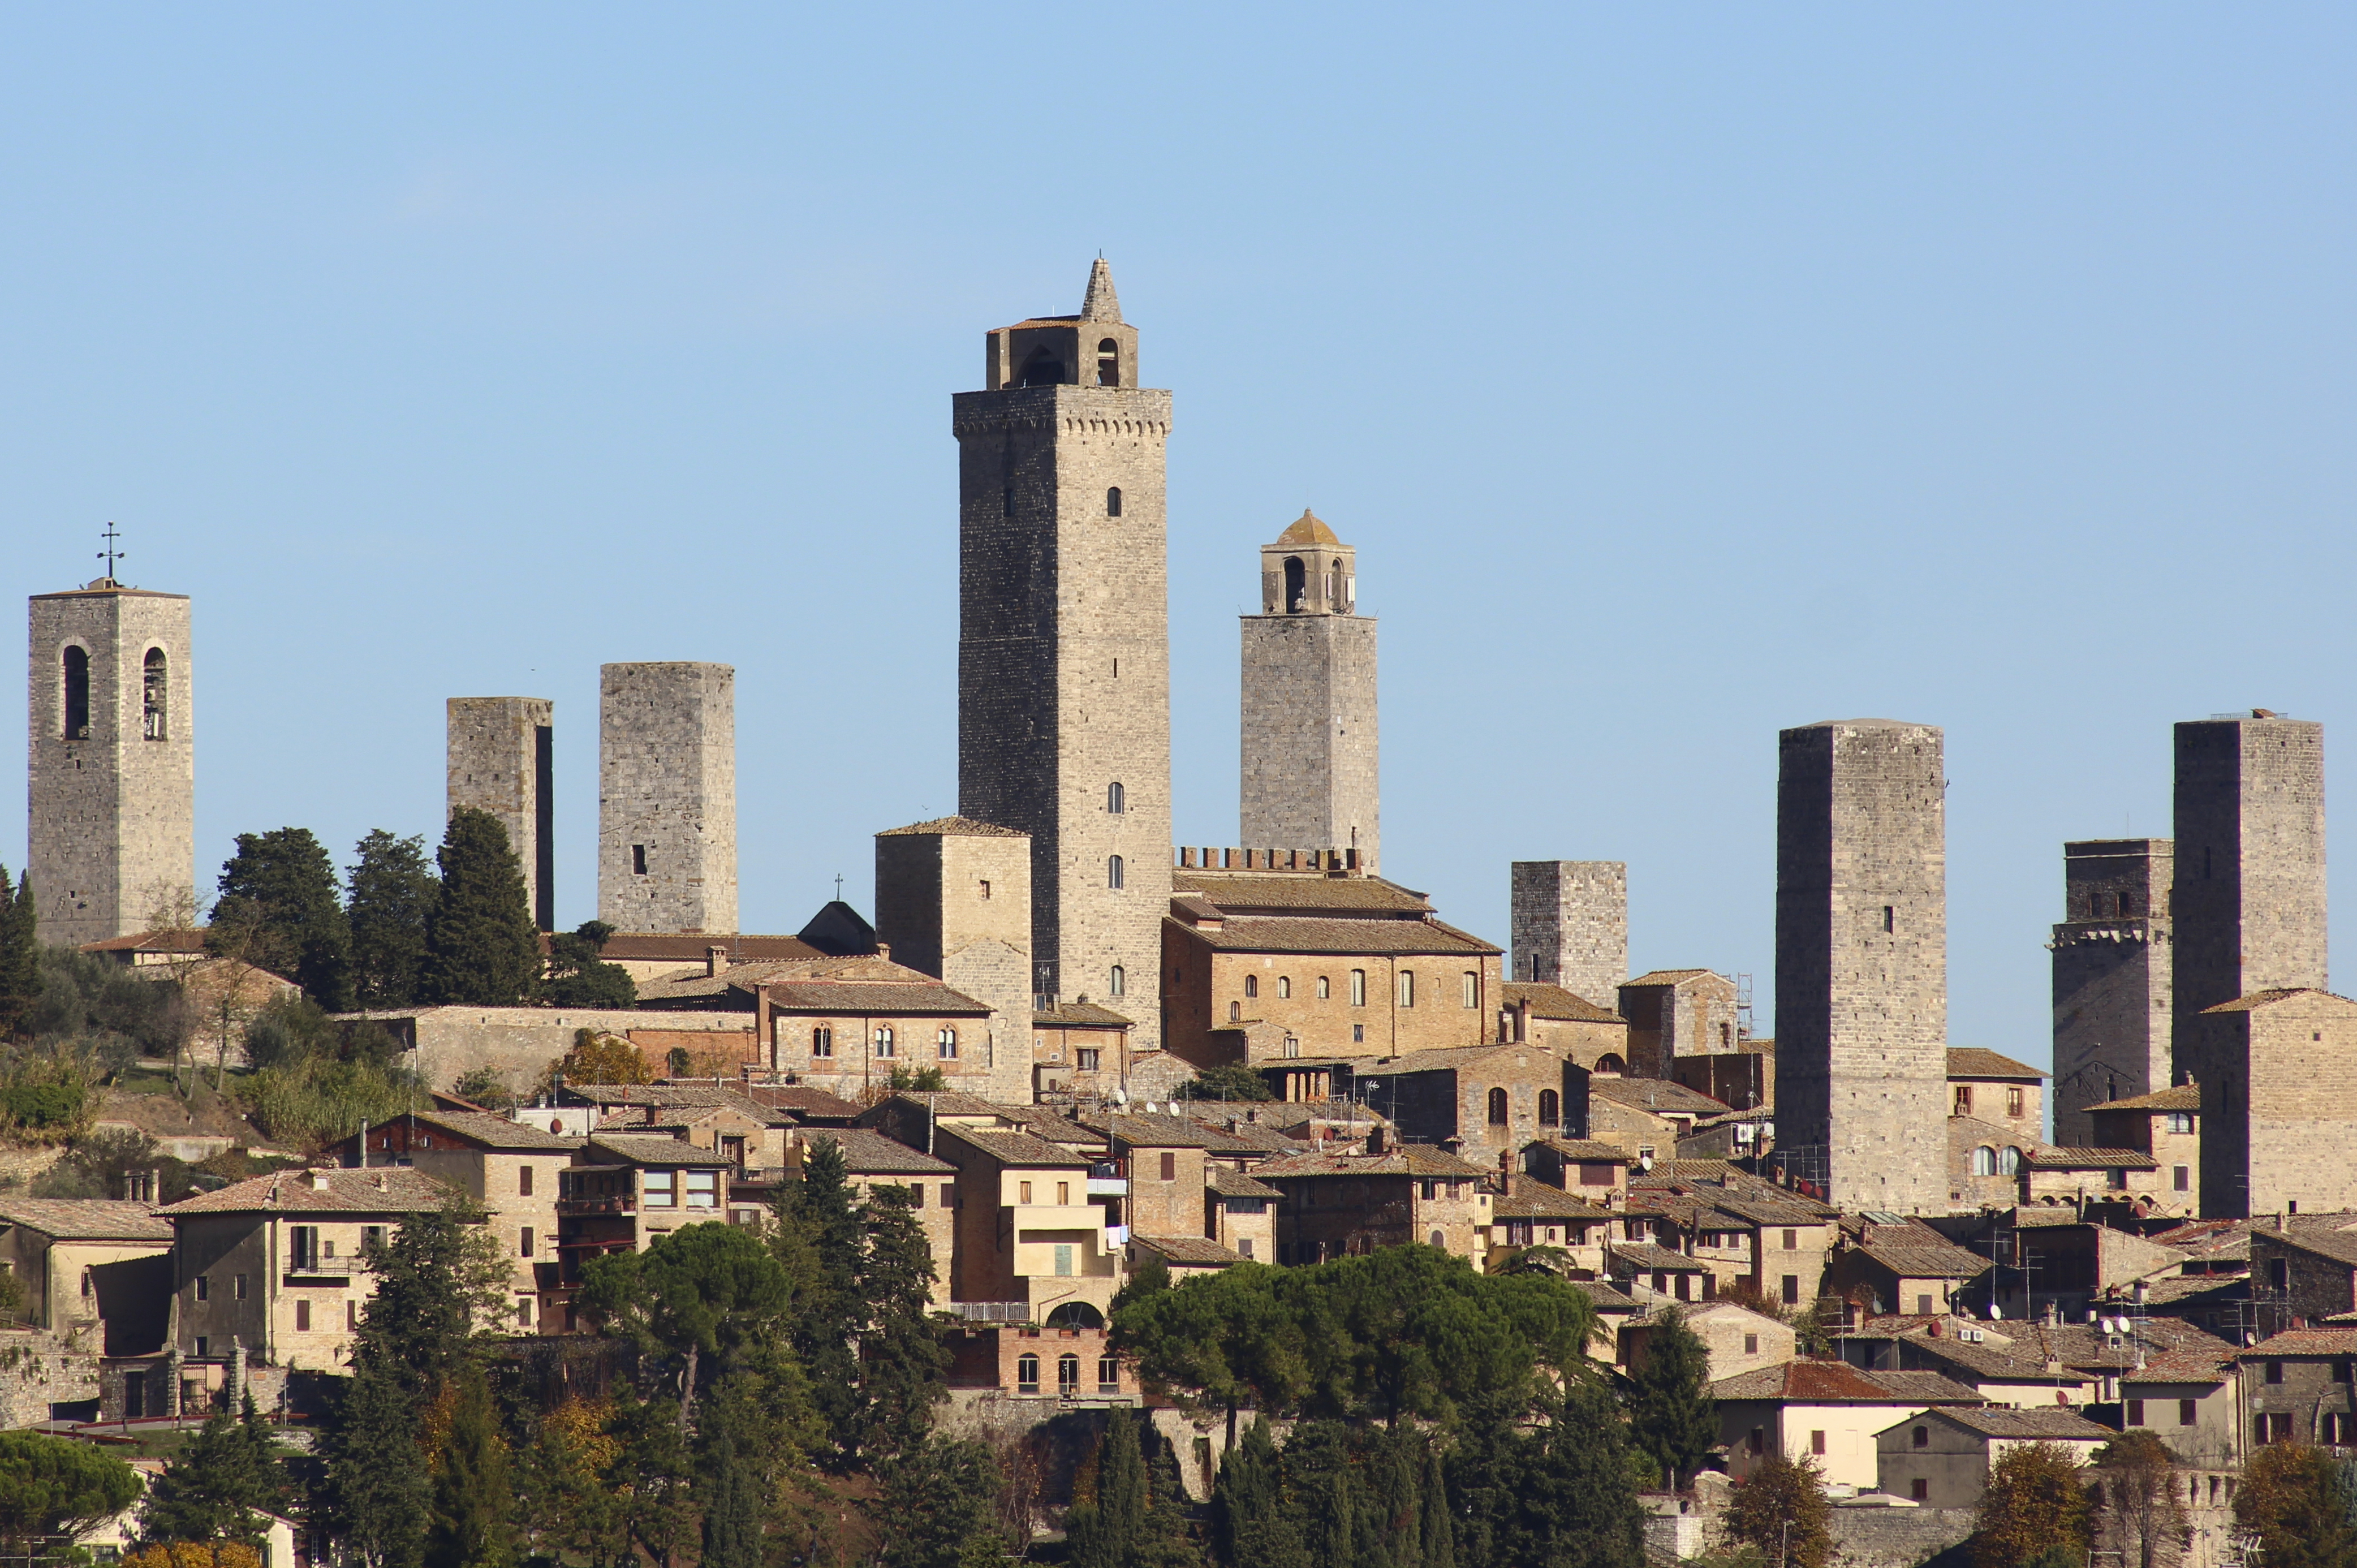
column 154, row 685
column 77, row 693
column 1112, row 501
column 1889, row 918
column 1116, row 802
column 1117, row 982
column 1407, row 988
column 638, row 859
column 1112, row 871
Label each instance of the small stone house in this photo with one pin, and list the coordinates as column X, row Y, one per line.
column 871, row 1160
column 1079, row 1051
column 1484, row 1103
column 2296, row 1387
column 1941, row 1458
column 1339, row 1205
column 1826, row 1412
column 1737, row 1339
column 625, row 1192
column 2187, row 1399
column 91, row 1264
column 1902, row 1268
column 2166, row 1125
column 1574, row 1027
column 1595, row 1170
column 1028, row 1227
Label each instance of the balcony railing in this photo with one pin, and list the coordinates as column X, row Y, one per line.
column 991, row 1311
column 617, row 1203
column 1108, row 1186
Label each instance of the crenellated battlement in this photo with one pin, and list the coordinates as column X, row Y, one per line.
column 1308, row 862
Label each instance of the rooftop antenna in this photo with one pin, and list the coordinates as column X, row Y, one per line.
column 110, row 554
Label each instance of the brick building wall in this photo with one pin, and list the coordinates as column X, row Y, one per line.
column 1861, row 960
column 1063, row 647
column 1310, row 775
column 111, row 838
column 954, row 899
column 2112, row 956
column 667, row 797
column 1361, row 1009
column 1570, row 925
column 500, row 759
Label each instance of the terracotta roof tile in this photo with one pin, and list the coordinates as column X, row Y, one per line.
column 86, row 1218
column 2046, row 1422
column 396, row 1190
column 1971, row 1061
column 1296, row 892
column 1553, row 1002
column 872, row 1154
column 1836, row 1383
column 2177, row 1097
column 1312, row 938
column 1197, row 1251
column 953, row 827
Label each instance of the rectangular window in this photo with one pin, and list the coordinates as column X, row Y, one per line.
column 661, row 1189
column 1063, row 1259
column 1791, row 1291
column 1357, row 1034
column 1064, row 1193
column 2186, row 1412
column 916, row 1195
column 2182, row 1178
column 1170, row 1167
column 2274, row 1371
column 638, row 859
column 1919, row 1489
column 948, row 1195
column 1407, row 988
column 1088, row 1059
column 1472, row 989
column 523, row 1240
column 204, row 1347
column 302, row 1315
column 1244, row 1247
column 372, row 1236
column 305, row 1249
column 523, row 1181
column 1791, row 1241
column 1964, row 1100
column 1357, row 988
column 704, row 1189
column 1922, row 1306
column 1757, row 1442
column 2013, row 1102
column 1022, row 1192
column 523, row 1311
column 1751, row 1344
column 2135, row 1413
column 351, row 1314
column 1817, row 1443
column 204, row 1288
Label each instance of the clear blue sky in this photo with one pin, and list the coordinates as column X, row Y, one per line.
column 1680, row 374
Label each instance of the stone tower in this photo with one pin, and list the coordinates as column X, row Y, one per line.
column 1309, row 765
column 500, row 760
column 111, row 759
column 667, row 797
column 2112, row 960
column 954, row 899
column 1064, row 641
column 2248, row 902
column 1570, row 926
column 1862, row 963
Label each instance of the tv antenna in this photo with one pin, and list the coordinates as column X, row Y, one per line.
column 110, row 554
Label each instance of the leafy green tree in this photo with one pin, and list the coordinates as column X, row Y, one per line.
column 392, row 893
column 916, row 1081
column 2291, row 1506
column 569, row 1495
column 1781, row 1509
column 1226, row 1083
column 20, row 953
column 81, row 997
column 280, row 909
column 52, row 1486
column 1252, row 1527
column 935, row 1510
column 220, row 1484
column 482, row 948
column 1672, row 1420
column 2036, row 1498
column 473, row 1522
column 578, row 978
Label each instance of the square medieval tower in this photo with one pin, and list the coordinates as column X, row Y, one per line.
column 1309, row 775
column 667, row 797
column 2111, row 955
column 500, row 759
column 113, row 762
column 1063, row 640
column 1862, row 963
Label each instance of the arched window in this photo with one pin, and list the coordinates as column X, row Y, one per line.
column 1334, row 585
column 1472, row 989
column 1075, row 1314
column 1235, row 1012
column 77, row 693
column 1117, row 982
column 1357, row 988
column 1325, row 987
column 153, row 687
column 1026, row 1374
column 1067, row 1376
column 1112, row 871
column 1252, row 984
column 884, row 1046
column 1407, row 988
column 1295, row 582
column 822, row 1041
column 1112, row 501
column 1109, row 363
column 1283, row 987
column 1438, row 1240
column 1116, row 802
column 2010, row 1161
column 1607, row 1062
column 1043, row 368
column 1497, row 1108
column 1550, row 1107
column 945, row 1043
column 1985, row 1160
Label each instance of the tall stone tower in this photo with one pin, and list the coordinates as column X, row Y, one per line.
column 2248, row 902
column 954, row 899
column 112, row 747
column 1309, row 765
column 502, row 753
column 1064, row 641
column 667, row 797
column 1862, row 962
column 1570, row 926
column 2113, row 954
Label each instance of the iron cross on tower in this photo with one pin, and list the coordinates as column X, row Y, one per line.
column 112, row 554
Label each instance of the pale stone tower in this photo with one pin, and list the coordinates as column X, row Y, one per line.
column 667, row 797
column 954, row 899
column 112, row 750
column 1862, row 963
column 1309, row 763
column 1064, row 642
column 2112, row 961
column 1570, row 925
column 500, row 758
column 2248, row 902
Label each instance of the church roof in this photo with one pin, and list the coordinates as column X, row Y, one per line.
column 1308, row 529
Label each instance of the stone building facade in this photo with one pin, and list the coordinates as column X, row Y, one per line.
column 954, row 899
column 1570, row 925
column 1309, row 777
column 500, row 759
column 667, row 797
column 111, row 761
column 1675, row 1014
column 2277, row 1073
column 1862, row 962
column 1063, row 639
column 2113, row 954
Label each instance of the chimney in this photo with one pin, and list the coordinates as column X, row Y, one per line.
column 715, row 961
column 1375, row 1140
column 317, row 1178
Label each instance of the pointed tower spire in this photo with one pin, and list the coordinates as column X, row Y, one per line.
column 1100, row 305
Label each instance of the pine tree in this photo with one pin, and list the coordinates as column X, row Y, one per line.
column 578, row 978
column 219, row 1485
column 1672, row 1421
column 732, row 1513
column 392, row 893
column 481, row 948
column 903, row 1364
column 473, row 1524
column 20, row 954
column 1252, row 1527
column 935, row 1511
column 279, row 909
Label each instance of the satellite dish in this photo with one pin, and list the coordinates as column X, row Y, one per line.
column 1120, row 1097
column 1997, row 1313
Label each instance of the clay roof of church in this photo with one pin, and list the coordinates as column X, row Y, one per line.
column 1555, row 1002
column 1340, row 937
column 1308, row 529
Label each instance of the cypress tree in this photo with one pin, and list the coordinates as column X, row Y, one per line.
column 1436, row 1527
column 219, row 1484
column 473, row 1518
column 392, row 892
column 1108, row 1532
column 826, row 1221
column 1323, row 1486
column 732, row 1516
column 481, row 948
column 1251, row 1525
column 279, row 909
column 1670, row 1419
column 904, row 1366
column 20, row 953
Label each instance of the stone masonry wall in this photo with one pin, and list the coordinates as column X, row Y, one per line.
column 2301, row 1125
column 1310, row 773
column 1063, row 668
column 2112, row 968
column 497, row 752
column 1861, row 960
column 1570, row 925
column 113, row 812
column 955, row 902
column 667, row 785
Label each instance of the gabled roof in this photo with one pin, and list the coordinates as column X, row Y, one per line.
column 801, row 1100
column 1315, row 937
column 1666, row 977
column 397, row 1190
column 660, row 1153
column 1662, row 1096
column 953, row 827
column 2304, row 1342
column 643, row 947
column 1455, row 1059
column 2046, row 1422
column 1253, row 894
column 1553, row 1002
column 487, row 1131
column 1236, row 1184
column 2258, row 1000
column 1645, row 1256
column 1141, row 1131
column 1929, row 1259
column 1837, row 1382
column 2182, row 1367
column 1401, row 1159
column 86, row 1218
column 1012, row 1148
column 2049, row 1158
column 866, row 1153
column 1080, row 1015
column 2323, row 1234
column 1530, row 1198
column 1589, row 1151
column 1193, row 1251
column 2176, row 1096
column 1971, row 1061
